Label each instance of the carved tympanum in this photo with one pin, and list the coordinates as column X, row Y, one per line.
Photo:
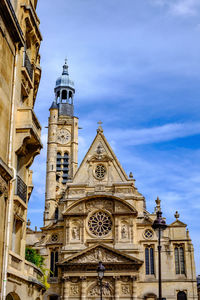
column 99, row 254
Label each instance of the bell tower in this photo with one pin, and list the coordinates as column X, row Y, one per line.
column 62, row 145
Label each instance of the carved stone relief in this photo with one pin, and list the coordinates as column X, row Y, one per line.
column 76, row 191
column 18, row 210
column 99, row 254
column 125, row 289
column 95, row 291
column 3, row 187
column 74, row 290
column 99, row 204
column 120, row 207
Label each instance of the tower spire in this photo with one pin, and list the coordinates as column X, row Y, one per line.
column 64, row 93
column 65, row 68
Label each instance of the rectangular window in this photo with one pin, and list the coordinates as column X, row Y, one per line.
column 53, row 265
column 149, row 260
column 179, row 260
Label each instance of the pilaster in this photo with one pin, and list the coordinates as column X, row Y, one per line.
column 83, row 288
column 66, row 288
column 117, row 287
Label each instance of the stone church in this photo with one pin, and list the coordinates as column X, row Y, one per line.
column 94, row 213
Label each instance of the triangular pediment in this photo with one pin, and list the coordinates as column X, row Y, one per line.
column 100, row 152
column 101, row 252
column 178, row 223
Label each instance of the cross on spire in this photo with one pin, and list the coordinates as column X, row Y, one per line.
column 100, row 129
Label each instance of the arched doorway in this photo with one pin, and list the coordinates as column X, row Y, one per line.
column 12, row 296
column 54, row 297
column 181, row 296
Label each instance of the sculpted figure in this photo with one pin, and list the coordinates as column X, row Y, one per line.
column 75, row 233
column 124, row 231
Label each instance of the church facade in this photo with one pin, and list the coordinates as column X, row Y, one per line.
column 94, row 213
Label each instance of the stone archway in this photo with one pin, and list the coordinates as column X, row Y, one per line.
column 181, row 295
column 93, row 292
column 150, row 296
column 12, row 296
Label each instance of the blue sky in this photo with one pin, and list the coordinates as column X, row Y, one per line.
column 136, row 68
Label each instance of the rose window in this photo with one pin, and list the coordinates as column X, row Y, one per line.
column 100, row 171
column 54, row 238
column 148, row 234
column 100, row 223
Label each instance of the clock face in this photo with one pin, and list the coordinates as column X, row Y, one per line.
column 63, row 136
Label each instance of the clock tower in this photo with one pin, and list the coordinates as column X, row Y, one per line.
column 62, row 145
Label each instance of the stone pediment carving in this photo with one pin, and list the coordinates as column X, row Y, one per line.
column 101, row 253
column 111, row 204
column 178, row 223
column 99, row 155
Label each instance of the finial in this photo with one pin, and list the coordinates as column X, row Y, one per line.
column 176, row 215
column 65, row 68
column 100, row 129
column 157, row 208
column 28, row 223
column 130, row 175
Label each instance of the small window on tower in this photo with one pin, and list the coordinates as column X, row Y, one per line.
column 64, row 95
column 58, row 162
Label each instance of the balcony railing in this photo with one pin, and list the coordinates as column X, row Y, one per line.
column 21, row 189
column 27, row 64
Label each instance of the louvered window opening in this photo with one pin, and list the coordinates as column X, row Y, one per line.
column 62, row 166
column 149, row 260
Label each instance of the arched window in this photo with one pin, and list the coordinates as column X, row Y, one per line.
column 179, row 259
column 64, row 95
column 149, row 260
column 53, row 265
column 181, row 296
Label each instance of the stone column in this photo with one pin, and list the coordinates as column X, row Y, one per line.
column 83, row 288
column 66, row 286
column 117, row 288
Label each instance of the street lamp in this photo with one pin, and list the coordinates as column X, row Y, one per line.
column 159, row 225
column 100, row 270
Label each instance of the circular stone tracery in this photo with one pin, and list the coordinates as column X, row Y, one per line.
column 100, row 171
column 100, row 223
column 148, row 234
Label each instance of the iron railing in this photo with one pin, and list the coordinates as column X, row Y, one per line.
column 21, row 189
column 27, row 64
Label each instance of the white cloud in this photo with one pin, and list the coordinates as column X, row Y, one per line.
column 157, row 134
column 180, row 7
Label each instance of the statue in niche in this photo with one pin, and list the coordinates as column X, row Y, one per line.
column 75, row 233
column 124, row 231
